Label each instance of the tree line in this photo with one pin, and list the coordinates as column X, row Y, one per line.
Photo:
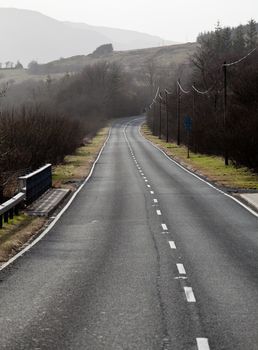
column 202, row 97
column 41, row 122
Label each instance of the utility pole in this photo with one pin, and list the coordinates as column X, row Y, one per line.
column 194, row 117
column 167, row 113
column 153, row 119
column 160, row 117
column 225, row 113
column 178, row 113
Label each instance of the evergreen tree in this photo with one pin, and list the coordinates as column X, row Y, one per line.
column 251, row 35
column 226, row 40
column 239, row 40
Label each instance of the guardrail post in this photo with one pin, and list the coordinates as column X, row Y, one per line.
column 11, row 213
column 6, row 217
column 1, row 221
column 16, row 210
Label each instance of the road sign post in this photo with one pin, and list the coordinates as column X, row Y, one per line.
column 188, row 125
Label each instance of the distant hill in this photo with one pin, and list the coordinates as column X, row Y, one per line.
column 126, row 39
column 29, row 35
column 132, row 60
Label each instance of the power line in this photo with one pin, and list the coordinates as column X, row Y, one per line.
column 202, row 92
column 183, row 91
column 168, row 92
column 155, row 98
column 240, row 60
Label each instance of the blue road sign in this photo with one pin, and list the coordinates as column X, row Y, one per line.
column 188, row 123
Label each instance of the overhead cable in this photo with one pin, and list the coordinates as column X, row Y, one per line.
column 183, row 91
column 240, row 60
column 168, row 92
column 202, row 92
column 155, row 98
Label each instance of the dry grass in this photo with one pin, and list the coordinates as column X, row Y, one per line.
column 16, row 233
column 22, row 228
column 211, row 167
column 76, row 167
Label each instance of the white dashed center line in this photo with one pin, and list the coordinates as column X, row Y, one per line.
column 181, row 269
column 148, row 186
column 189, row 295
column 155, row 200
column 151, row 192
column 172, row 244
column 158, row 212
column 164, row 227
column 203, row 344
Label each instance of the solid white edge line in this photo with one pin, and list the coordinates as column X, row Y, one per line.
column 202, row 344
column 43, row 234
column 198, row 177
column 181, row 269
column 172, row 244
column 189, row 294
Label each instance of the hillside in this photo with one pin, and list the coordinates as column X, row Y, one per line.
column 30, row 35
column 132, row 60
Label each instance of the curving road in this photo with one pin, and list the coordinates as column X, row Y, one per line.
column 146, row 257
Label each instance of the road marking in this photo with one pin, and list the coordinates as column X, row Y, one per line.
column 155, row 200
column 148, row 186
column 59, row 215
column 181, row 269
column 151, row 192
column 164, row 227
column 146, row 180
column 172, row 244
column 158, row 212
column 202, row 344
column 198, row 177
column 189, row 294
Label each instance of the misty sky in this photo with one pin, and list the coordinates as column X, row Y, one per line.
column 179, row 20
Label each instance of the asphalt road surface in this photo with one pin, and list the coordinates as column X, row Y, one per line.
column 146, row 257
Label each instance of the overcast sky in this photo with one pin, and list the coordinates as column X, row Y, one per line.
column 179, row 20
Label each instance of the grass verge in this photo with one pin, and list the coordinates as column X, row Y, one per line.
column 210, row 167
column 77, row 166
column 70, row 174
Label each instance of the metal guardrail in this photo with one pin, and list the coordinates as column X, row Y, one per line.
column 36, row 183
column 10, row 208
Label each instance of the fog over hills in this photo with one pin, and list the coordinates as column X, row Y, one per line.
column 29, row 35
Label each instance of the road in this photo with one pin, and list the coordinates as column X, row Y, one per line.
column 146, row 257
